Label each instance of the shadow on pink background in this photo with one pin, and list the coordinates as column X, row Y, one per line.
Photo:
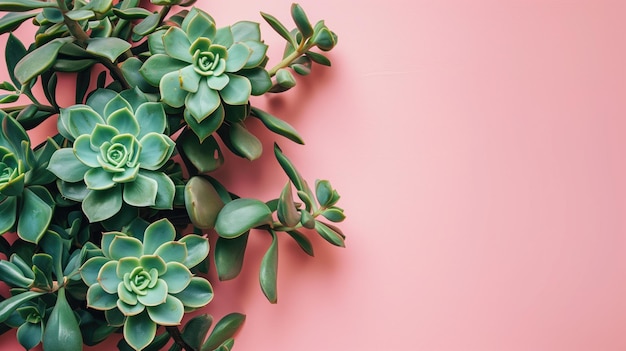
column 479, row 149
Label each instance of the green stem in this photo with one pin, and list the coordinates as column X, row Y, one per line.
column 279, row 227
column 302, row 48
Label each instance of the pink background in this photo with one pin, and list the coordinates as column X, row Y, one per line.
column 479, row 149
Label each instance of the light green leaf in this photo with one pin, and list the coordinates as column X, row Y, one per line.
column 139, row 331
column 238, row 90
column 176, row 276
column 172, row 251
column 199, row 25
column 13, row 276
column 208, row 126
column 125, row 246
column 202, row 103
column 159, row 65
column 99, row 299
column 151, row 118
column 155, row 296
column 156, row 234
column 166, row 190
column 156, row 149
column 197, row 294
column 142, row 192
column 168, row 313
column 238, row 55
column 197, row 249
column 147, row 25
column 90, row 269
column 241, row 215
column 39, row 60
column 177, row 45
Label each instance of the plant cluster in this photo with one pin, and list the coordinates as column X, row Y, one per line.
column 113, row 212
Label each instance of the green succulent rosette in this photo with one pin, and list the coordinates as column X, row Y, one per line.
column 143, row 283
column 207, row 70
column 117, row 153
column 26, row 206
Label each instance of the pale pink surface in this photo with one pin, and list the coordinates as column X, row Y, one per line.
column 479, row 148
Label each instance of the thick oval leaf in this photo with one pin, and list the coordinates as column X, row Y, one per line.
column 229, row 254
column 286, row 210
column 224, row 330
column 206, row 156
column 139, row 330
column 39, row 60
column 202, row 202
column 329, row 235
column 111, row 48
column 302, row 22
column 244, row 142
column 269, row 271
column 241, row 215
column 62, row 331
column 277, row 125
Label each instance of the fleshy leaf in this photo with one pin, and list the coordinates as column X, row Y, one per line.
column 125, row 246
column 156, row 149
column 176, row 276
column 110, row 48
column 277, row 125
column 139, row 331
column 269, row 269
column 197, row 294
column 197, row 249
column 62, row 331
column 65, row 165
column 241, row 215
column 35, row 217
column 224, row 330
column 203, row 203
column 229, row 255
column 177, row 45
column 168, row 313
column 99, row 205
column 142, row 192
column 99, row 299
column 156, row 234
column 238, row 90
column 39, row 60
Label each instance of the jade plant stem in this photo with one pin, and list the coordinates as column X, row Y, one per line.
column 302, row 48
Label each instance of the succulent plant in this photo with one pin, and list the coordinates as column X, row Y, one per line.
column 205, row 69
column 145, row 283
column 118, row 149
column 22, row 172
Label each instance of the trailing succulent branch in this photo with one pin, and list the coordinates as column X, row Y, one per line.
column 111, row 226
